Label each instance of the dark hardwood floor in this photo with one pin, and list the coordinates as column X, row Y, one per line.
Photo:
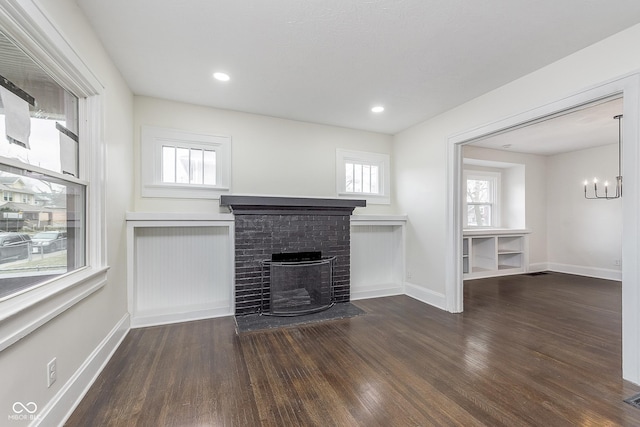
column 528, row 350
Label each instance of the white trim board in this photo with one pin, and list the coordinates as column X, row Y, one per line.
column 578, row 270
column 425, row 295
column 144, row 320
column 376, row 291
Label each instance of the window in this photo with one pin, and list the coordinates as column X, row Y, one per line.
column 482, row 196
column 188, row 165
column 184, row 165
column 363, row 175
column 38, row 136
column 362, row 178
column 59, row 177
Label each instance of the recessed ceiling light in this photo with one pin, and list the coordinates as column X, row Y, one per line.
column 378, row 109
column 223, row 77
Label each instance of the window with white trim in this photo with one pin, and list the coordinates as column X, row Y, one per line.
column 182, row 164
column 363, row 175
column 482, row 190
column 28, row 308
column 39, row 146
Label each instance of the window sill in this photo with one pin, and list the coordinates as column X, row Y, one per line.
column 25, row 313
column 390, row 220
column 371, row 199
column 183, row 191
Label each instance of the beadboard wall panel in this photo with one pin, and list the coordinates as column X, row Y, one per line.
column 377, row 259
column 180, row 272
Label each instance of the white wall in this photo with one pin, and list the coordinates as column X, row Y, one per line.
column 76, row 333
column 420, row 153
column 584, row 236
column 270, row 156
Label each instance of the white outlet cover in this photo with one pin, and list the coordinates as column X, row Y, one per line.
column 52, row 372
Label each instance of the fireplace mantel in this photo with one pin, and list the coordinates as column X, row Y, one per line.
column 270, row 205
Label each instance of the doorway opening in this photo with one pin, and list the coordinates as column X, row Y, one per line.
column 537, row 217
column 628, row 89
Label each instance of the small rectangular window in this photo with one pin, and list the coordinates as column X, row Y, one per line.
column 363, row 175
column 192, row 166
column 361, row 178
column 184, row 165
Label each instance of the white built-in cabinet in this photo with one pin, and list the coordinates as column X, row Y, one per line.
column 180, row 267
column 488, row 253
column 377, row 255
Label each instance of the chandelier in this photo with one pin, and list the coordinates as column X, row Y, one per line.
column 618, row 178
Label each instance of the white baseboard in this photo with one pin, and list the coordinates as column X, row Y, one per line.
column 599, row 273
column 378, row 291
column 60, row 408
column 155, row 319
column 427, row 296
column 537, row 267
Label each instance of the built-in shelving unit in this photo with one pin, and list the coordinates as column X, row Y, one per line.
column 488, row 253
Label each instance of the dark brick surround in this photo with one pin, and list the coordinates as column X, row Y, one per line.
column 267, row 225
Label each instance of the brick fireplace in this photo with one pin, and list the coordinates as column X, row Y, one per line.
column 273, row 225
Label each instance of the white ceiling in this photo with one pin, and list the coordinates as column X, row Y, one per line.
column 590, row 126
column 330, row 61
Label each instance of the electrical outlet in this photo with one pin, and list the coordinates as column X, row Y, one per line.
column 52, row 372
column 409, row 274
column 617, row 262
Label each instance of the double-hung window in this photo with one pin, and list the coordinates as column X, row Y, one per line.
column 482, row 207
column 52, row 173
column 41, row 187
column 363, row 175
column 182, row 164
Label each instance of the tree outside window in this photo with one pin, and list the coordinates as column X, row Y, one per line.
column 482, row 190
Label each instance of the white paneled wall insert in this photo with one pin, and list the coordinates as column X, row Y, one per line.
column 180, row 267
column 489, row 253
column 377, row 255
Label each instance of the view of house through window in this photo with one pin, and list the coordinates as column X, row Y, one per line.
column 42, row 207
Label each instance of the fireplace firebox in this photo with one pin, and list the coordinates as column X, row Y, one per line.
column 298, row 283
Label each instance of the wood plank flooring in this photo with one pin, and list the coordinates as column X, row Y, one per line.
column 528, row 351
